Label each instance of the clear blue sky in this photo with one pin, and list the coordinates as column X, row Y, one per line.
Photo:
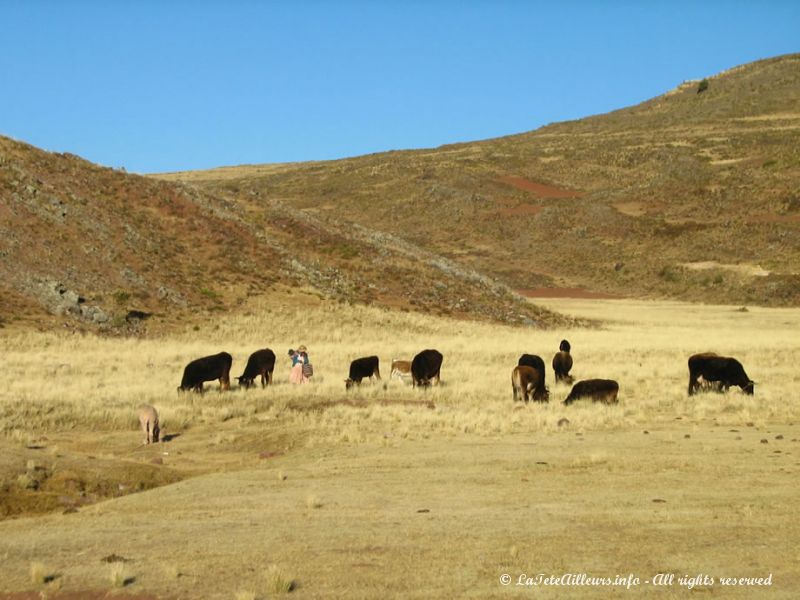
column 172, row 85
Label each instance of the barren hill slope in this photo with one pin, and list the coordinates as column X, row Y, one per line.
column 101, row 247
column 689, row 195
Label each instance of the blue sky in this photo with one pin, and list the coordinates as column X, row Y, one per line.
column 170, row 85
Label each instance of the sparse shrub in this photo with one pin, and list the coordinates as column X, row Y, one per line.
column 172, row 571
column 278, row 582
column 668, row 273
column 313, row 501
column 38, row 573
column 121, row 297
column 209, row 293
column 119, row 576
column 702, row 86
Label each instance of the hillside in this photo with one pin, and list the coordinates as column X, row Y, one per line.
column 689, row 195
column 90, row 246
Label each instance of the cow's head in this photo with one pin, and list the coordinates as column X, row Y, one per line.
column 245, row 382
column 749, row 388
column 348, row 383
column 564, row 347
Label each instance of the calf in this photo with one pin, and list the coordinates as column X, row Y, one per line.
column 426, row 368
column 525, row 382
column 401, row 369
column 361, row 368
column 712, row 371
column 598, row 390
column 148, row 420
column 261, row 362
column 535, row 362
column 208, row 368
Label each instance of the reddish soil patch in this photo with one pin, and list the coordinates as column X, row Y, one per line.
column 521, row 210
column 540, row 189
column 559, row 292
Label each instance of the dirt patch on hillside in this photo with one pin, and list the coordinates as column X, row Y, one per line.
column 744, row 269
column 566, row 292
column 540, row 189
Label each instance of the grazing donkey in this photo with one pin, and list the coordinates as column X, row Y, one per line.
column 148, row 419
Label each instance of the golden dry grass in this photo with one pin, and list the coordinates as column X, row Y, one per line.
column 374, row 493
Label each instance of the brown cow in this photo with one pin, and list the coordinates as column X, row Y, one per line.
column 526, row 382
column 598, row 390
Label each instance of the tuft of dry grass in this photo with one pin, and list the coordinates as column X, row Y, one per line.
column 119, row 576
column 313, row 501
column 39, row 573
column 277, row 581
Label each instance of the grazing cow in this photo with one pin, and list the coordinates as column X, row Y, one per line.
column 401, row 369
column 148, row 420
column 534, row 361
column 425, row 367
column 261, row 362
column 525, row 382
column 598, row 390
column 562, row 363
column 711, row 371
column 208, row 368
column 361, row 368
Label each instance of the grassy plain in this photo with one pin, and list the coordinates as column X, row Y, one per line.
column 392, row 492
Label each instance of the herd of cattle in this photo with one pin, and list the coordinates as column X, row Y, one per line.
column 707, row 372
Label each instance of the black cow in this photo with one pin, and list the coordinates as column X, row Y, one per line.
column 261, row 362
column 712, row 371
column 525, row 382
column 598, row 390
column 361, row 368
column 535, row 361
column 562, row 363
column 425, row 367
column 208, row 368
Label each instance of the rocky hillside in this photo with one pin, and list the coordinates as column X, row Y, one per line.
column 89, row 246
column 691, row 195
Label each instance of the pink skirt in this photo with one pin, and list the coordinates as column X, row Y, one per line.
column 296, row 374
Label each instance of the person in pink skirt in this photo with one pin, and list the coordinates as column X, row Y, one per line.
column 300, row 365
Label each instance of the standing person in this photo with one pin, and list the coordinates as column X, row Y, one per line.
column 308, row 370
column 299, row 359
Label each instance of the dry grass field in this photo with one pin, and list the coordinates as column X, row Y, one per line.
column 387, row 491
